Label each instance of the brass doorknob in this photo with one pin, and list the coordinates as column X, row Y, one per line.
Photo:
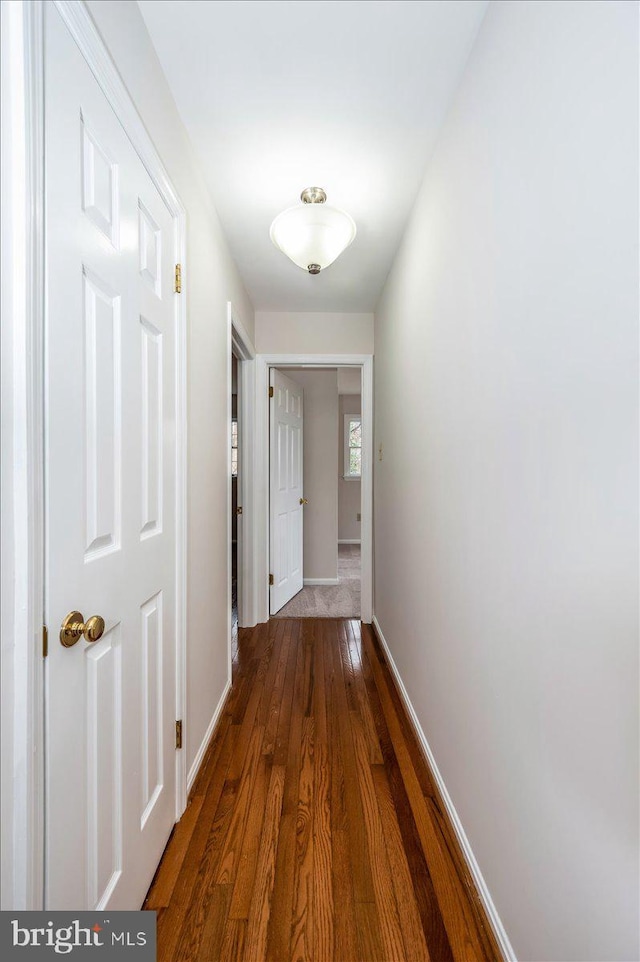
column 303, row 501
column 74, row 626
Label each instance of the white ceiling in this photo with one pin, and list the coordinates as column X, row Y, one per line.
column 279, row 95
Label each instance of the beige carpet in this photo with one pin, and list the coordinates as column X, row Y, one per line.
column 330, row 601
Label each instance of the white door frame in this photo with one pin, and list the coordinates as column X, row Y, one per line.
column 239, row 343
column 23, row 740
column 22, row 456
column 260, row 568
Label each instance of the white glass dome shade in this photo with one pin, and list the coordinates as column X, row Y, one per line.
column 313, row 235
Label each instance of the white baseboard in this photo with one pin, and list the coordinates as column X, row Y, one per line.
column 348, row 540
column 197, row 761
column 474, row 868
column 321, row 581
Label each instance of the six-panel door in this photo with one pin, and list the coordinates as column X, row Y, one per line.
column 110, row 496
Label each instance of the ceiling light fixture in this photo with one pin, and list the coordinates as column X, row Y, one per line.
column 314, row 235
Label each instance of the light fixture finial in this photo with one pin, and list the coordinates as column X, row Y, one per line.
column 313, row 195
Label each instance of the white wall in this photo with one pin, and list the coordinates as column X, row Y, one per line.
column 320, row 406
column 349, row 495
column 349, row 380
column 506, row 504
column 313, row 333
column 211, row 280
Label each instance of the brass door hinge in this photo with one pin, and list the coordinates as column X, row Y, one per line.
column 270, row 579
column 178, row 284
column 270, row 392
column 179, row 734
column 45, row 641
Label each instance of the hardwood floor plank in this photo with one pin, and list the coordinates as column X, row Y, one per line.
column 347, row 666
column 303, row 871
column 323, row 909
column 344, row 918
column 369, row 938
column 354, row 815
column 333, row 684
column 260, row 907
column 230, row 856
column 234, row 942
column 410, row 921
column 243, row 887
column 293, row 680
column 308, row 677
column 267, row 671
column 210, row 944
column 383, row 886
column 269, row 708
column 280, row 920
column 245, row 731
column 279, row 932
column 364, row 705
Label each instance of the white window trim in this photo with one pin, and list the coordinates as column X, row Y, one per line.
column 346, row 448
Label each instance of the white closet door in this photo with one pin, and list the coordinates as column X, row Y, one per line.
column 110, row 488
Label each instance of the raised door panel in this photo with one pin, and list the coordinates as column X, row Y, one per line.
column 103, row 727
column 100, row 195
column 295, row 459
column 295, row 545
column 149, row 249
column 102, row 379
column 282, row 473
column 151, row 428
column 281, row 554
column 152, row 734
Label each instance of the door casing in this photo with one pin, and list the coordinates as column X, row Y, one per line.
column 23, row 738
column 240, row 344
column 260, row 568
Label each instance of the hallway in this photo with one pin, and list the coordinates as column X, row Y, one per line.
column 313, row 829
column 399, row 217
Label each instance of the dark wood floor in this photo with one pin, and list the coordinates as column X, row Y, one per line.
column 313, row 830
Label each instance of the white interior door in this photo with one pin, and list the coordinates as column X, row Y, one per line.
column 286, row 495
column 110, row 490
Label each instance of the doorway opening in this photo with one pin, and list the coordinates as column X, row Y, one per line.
column 236, row 507
column 241, row 371
column 315, row 498
column 259, row 567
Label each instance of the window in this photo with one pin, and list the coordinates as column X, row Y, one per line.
column 352, row 446
column 234, row 448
